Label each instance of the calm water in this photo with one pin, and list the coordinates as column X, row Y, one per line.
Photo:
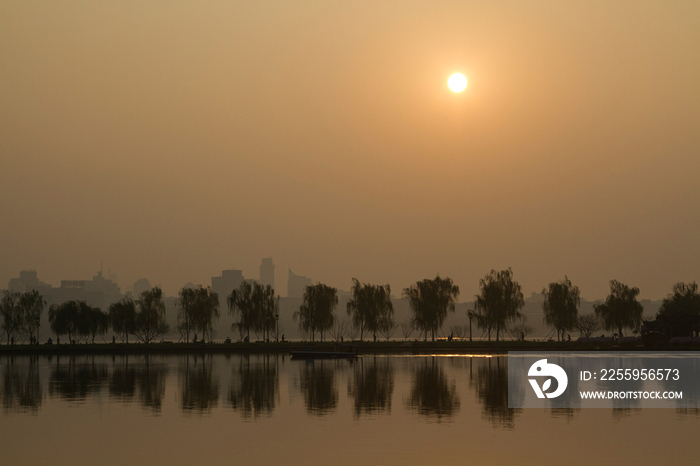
column 267, row 409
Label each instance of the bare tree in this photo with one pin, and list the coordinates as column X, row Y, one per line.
column 352, row 332
column 388, row 330
column 520, row 331
column 588, row 324
column 407, row 328
column 337, row 331
column 459, row 331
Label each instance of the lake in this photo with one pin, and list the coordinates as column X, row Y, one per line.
column 268, row 409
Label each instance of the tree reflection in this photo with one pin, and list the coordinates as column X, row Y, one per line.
column 151, row 382
column 318, row 386
column 564, row 413
column 492, row 390
column 372, row 386
column 22, row 390
column 199, row 388
column 622, row 413
column 255, row 387
column 147, row 376
column 77, row 380
column 122, row 383
column 431, row 394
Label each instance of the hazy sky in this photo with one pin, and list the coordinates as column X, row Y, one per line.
column 174, row 139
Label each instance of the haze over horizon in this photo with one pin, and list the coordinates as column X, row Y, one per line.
column 176, row 139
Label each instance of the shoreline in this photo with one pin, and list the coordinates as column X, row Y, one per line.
column 392, row 347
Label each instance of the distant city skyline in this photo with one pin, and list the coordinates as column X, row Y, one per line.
column 227, row 280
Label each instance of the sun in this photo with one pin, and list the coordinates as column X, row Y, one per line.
column 457, row 82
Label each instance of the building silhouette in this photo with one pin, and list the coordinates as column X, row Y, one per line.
column 226, row 283
column 141, row 285
column 28, row 280
column 296, row 285
column 99, row 292
column 267, row 272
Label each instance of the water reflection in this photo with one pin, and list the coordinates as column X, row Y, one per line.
column 78, row 378
column 148, row 376
column 564, row 413
column 122, row 382
column 431, row 394
column 199, row 388
column 371, row 386
column 254, row 388
column 22, row 390
column 428, row 386
column 491, row 384
column 318, row 386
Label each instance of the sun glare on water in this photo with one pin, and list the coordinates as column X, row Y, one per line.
column 457, row 82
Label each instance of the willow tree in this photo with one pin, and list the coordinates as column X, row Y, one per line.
column 560, row 306
column 684, row 299
column 198, row 310
column 499, row 302
column 240, row 304
column 91, row 321
column 31, row 306
column 150, row 316
column 122, row 316
column 316, row 311
column 621, row 308
column 430, row 301
column 256, row 306
column 371, row 308
column 266, row 308
column 11, row 313
column 63, row 319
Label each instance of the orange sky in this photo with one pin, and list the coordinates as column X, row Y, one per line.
column 174, row 139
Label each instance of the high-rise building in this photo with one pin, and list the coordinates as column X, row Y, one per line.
column 28, row 280
column 296, row 285
column 267, row 272
column 226, row 283
column 141, row 285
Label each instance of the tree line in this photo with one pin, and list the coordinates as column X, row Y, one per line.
column 256, row 307
column 497, row 308
column 21, row 315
